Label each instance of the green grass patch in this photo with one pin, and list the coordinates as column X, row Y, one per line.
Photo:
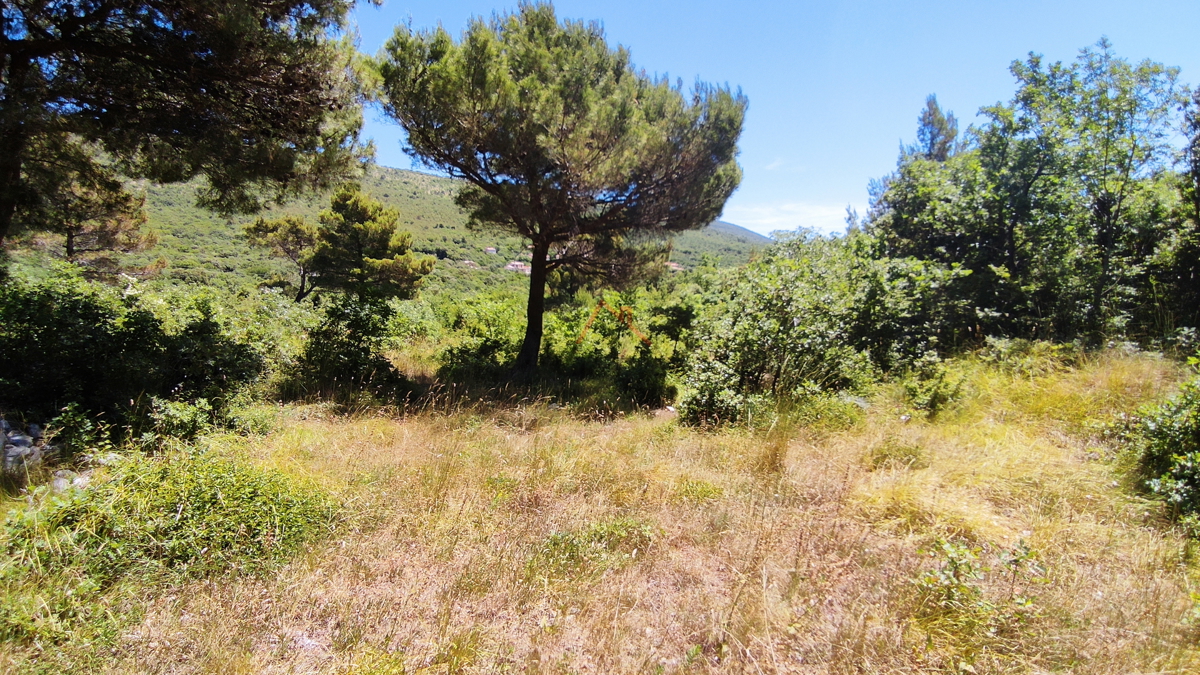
column 182, row 515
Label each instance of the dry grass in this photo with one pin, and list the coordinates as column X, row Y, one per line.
column 784, row 553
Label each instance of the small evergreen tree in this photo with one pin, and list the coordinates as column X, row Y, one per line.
column 358, row 250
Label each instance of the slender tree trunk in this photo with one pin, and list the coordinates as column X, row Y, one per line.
column 70, row 245
column 305, row 287
column 1102, row 212
column 14, row 136
column 527, row 359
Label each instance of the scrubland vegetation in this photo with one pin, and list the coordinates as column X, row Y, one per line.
column 963, row 437
column 476, row 537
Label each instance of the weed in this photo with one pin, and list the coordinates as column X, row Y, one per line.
column 191, row 515
column 894, row 453
column 698, row 491
column 600, row 546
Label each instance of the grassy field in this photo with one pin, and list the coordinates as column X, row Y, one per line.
column 999, row 538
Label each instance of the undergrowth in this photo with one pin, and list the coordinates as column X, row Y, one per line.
column 184, row 515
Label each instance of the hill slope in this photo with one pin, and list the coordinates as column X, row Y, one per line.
column 202, row 248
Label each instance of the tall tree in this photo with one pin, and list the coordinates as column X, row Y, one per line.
column 1055, row 204
column 562, row 141
column 1122, row 121
column 252, row 94
column 937, row 132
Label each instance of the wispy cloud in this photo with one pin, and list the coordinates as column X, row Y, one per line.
column 774, row 165
column 768, row 218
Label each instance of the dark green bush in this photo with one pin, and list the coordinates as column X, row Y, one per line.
column 343, row 358
column 813, row 316
column 485, row 336
column 68, row 341
column 1166, row 443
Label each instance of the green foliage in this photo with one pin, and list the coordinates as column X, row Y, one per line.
column 486, row 336
column 813, row 316
column 67, row 341
column 343, row 357
column 191, row 515
column 1059, row 205
column 930, row 386
column 179, row 420
column 591, row 550
column 698, row 491
column 1165, row 440
column 1029, row 358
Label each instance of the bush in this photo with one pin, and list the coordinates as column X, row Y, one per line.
column 1165, row 440
column 343, row 357
column 813, row 315
column 69, row 341
column 486, row 334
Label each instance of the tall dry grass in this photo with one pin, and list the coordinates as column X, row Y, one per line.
column 515, row 540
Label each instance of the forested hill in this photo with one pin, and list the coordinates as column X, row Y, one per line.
column 200, row 247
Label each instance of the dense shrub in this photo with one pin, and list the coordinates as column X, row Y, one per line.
column 69, row 341
column 1166, row 442
column 813, row 316
column 343, row 358
column 485, row 335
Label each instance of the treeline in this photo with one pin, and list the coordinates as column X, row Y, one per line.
column 1074, row 208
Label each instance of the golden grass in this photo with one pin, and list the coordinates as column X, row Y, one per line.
column 787, row 553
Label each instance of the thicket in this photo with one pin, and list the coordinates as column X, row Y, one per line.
column 814, row 316
column 1164, row 442
column 1066, row 204
column 67, row 341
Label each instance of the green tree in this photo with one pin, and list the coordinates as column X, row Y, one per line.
column 1056, row 203
column 291, row 237
column 937, row 132
column 252, row 94
column 563, row 142
column 359, row 251
column 1121, row 115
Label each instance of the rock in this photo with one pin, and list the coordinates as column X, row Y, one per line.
column 17, row 456
column 35, row 432
column 20, row 440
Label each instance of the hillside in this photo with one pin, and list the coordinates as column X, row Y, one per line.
column 200, row 247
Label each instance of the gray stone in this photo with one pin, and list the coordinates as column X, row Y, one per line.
column 17, row 456
column 20, row 440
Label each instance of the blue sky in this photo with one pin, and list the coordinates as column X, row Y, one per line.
column 834, row 87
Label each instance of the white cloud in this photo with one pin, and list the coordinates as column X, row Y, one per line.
column 768, row 218
column 774, row 165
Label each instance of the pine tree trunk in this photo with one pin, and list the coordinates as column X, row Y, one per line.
column 527, row 359
column 13, row 139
